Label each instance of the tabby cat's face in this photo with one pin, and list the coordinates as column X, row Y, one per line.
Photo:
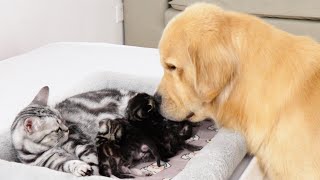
column 48, row 130
column 38, row 124
column 42, row 125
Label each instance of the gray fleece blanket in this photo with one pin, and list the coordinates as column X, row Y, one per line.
column 217, row 160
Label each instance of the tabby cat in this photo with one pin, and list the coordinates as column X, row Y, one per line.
column 41, row 138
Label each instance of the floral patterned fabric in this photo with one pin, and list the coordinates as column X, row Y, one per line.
column 204, row 133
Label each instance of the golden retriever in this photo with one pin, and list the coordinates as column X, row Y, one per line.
column 248, row 76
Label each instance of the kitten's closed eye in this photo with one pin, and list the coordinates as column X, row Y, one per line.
column 58, row 130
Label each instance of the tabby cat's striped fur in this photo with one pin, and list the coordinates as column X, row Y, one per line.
column 41, row 138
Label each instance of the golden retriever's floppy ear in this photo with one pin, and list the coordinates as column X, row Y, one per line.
column 214, row 66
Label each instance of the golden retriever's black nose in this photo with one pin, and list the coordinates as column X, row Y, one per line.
column 157, row 98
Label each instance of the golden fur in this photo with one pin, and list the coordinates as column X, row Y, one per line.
column 248, row 76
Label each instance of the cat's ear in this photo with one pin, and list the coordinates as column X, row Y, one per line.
column 29, row 125
column 42, row 97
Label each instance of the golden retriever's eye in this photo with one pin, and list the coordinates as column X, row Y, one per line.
column 171, row 67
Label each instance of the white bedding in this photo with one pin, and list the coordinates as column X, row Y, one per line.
column 60, row 65
column 63, row 66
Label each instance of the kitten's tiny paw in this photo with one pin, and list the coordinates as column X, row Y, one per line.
column 159, row 162
column 213, row 128
column 83, row 169
column 95, row 170
column 143, row 173
column 139, row 172
column 163, row 163
column 148, row 174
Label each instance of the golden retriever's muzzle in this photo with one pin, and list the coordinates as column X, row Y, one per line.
column 159, row 100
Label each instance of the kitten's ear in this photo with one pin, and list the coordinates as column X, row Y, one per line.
column 42, row 97
column 28, row 125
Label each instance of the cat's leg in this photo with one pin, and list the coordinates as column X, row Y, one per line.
column 125, row 168
column 104, row 165
column 150, row 145
column 116, row 168
column 84, row 151
column 164, row 151
column 81, row 145
column 135, row 171
column 77, row 167
column 108, row 166
column 88, row 154
column 104, row 169
column 61, row 160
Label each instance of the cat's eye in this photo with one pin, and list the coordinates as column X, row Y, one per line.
column 171, row 67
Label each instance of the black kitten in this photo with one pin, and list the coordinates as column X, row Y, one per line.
column 120, row 146
column 174, row 138
column 136, row 146
column 169, row 136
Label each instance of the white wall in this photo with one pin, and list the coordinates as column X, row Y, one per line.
column 28, row 24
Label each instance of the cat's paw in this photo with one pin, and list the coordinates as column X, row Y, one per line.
column 139, row 172
column 95, row 170
column 81, row 169
column 136, row 172
column 147, row 173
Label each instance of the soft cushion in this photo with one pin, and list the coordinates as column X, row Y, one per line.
column 72, row 68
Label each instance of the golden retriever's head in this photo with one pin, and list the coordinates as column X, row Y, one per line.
column 198, row 62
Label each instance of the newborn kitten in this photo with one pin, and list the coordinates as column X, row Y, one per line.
column 41, row 138
column 110, row 158
column 137, row 146
column 119, row 146
column 169, row 136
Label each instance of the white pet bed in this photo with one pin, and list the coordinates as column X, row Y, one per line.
column 71, row 68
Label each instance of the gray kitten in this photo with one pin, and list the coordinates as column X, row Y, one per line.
column 41, row 137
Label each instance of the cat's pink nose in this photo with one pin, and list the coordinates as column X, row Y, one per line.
column 144, row 148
